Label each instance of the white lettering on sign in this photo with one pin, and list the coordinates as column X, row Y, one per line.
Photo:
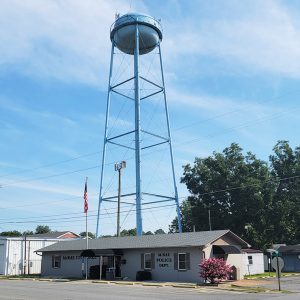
column 164, row 259
column 71, row 257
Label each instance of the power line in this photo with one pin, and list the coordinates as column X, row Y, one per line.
column 57, row 215
column 50, row 164
column 230, row 112
column 244, row 125
column 97, row 152
column 276, row 115
column 245, row 186
column 50, row 176
column 65, row 173
column 80, row 218
column 202, row 194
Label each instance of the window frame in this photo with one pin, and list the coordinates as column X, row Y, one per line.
column 178, row 261
column 149, row 261
column 54, row 261
column 250, row 260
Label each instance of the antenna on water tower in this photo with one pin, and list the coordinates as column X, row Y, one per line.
column 138, row 34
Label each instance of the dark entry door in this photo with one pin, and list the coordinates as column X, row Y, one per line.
column 118, row 266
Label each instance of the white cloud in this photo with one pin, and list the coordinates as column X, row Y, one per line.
column 33, row 114
column 259, row 35
column 220, row 105
column 66, row 40
column 69, row 40
column 49, row 188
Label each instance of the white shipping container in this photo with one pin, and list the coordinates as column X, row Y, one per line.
column 12, row 254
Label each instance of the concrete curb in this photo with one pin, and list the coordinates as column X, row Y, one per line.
column 61, row 280
column 252, row 289
column 152, row 284
column 45, row 279
column 27, row 279
column 232, row 287
column 185, row 286
column 142, row 283
column 122, row 282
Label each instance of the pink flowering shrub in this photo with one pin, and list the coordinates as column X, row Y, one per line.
column 214, row 270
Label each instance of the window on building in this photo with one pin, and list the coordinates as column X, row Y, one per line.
column 147, row 261
column 182, row 261
column 250, row 260
column 56, row 261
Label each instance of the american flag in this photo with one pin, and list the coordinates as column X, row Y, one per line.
column 85, row 197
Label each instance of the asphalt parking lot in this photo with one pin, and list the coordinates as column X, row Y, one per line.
column 291, row 283
column 33, row 290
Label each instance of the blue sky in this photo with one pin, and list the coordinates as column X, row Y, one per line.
column 232, row 72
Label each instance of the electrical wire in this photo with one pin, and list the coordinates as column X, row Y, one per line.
column 50, row 164
column 201, row 194
column 174, row 129
column 230, row 112
column 80, row 218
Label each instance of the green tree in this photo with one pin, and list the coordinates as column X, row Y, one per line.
column 235, row 187
column 128, row 232
column 40, row 229
column 28, row 232
column 159, row 231
column 90, row 235
column 148, row 233
column 284, row 213
column 11, row 233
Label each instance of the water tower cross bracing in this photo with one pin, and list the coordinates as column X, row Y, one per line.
column 137, row 35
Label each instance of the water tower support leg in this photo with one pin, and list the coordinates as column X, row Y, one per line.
column 170, row 143
column 105, row 137
column 139, row 228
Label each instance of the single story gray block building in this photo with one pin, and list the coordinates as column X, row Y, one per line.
column 169, row 257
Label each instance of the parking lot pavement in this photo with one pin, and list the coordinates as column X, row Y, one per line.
column 290, row 283
column 36, row 290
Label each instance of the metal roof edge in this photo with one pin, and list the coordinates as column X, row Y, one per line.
column 185, row 243
column 225, row 232
column 234, row 235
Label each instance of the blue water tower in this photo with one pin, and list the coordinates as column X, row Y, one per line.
column 137, row 34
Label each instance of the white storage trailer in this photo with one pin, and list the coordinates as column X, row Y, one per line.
column 17, row 254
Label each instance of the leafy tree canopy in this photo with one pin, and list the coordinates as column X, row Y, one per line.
column 245, row 194
column 132, row 231
column 90, row 235
column 128, row 232
column 11, row 233
column 40, row 229
column 28, row 232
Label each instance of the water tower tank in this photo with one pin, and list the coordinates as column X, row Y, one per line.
column 124, row 29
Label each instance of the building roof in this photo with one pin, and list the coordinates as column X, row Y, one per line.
column 186, row 239
column 251, row 251
column 53, row 235
column 292, row 249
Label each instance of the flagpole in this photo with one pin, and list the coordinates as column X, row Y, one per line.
column 86, row 223
column 86, row 227
column 87, row 247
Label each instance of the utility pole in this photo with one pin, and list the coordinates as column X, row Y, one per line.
column 118, row 167
column 209, row 220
